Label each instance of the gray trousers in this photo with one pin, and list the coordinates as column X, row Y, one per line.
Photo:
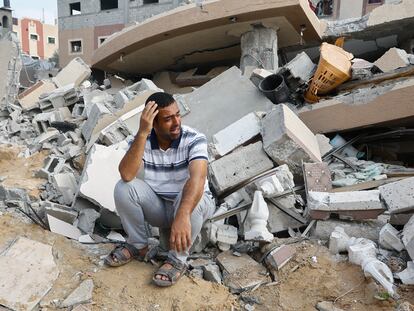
column 137, row 203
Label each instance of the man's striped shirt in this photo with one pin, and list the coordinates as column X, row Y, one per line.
column 166, row 171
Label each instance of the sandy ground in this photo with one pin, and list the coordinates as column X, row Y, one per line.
column 18, row 172
column 302, row 282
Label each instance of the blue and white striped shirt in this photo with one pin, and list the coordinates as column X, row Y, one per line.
column 166, row 171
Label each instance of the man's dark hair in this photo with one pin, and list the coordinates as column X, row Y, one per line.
column 162, row 99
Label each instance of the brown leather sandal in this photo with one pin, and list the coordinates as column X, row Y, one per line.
column 118, row 258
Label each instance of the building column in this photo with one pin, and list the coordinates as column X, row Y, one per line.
column 259, row 48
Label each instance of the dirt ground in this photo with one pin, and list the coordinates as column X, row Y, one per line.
column 18, row 171
column 302, row 282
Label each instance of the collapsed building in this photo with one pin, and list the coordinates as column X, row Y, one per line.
column 301, row 147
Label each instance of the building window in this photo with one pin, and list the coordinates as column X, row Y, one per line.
column 323, row 8
column 109, row 4
column 15, row 21
column 75, row 8
column 34, row 36
column 51, row 40
column 75, row 46
column 374, row 1
column 101, row 40
column 150, row 1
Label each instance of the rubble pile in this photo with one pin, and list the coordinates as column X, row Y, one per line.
column 273, row 172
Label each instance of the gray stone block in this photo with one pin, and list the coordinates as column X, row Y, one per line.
column 212, row 273
column 399, row 195
column 82, row 294
column 238, row 166
column 301, row 67
column 96, row 112
column 408, row 237
column 287, row 140
column 389, row 238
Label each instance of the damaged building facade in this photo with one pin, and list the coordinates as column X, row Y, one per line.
column 310, row 148
column 84, row 25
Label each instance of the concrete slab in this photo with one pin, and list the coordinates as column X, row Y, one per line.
column 29, row 98
column 27, row 273
column 63, row 228
column 222, row 101
column 317, row 177
column 75, row 72
column 94, row 178
column 280, row 256
column 390, row 239
column 392, row 59
column 241, row 273
column 287, row 140
column 238, row 166
column 355, row 205
column 399, row 196
column 236, row 134
column 408, row 237
column 407, row 276
column 362, row 110
column 301, row 67
column 81, row 295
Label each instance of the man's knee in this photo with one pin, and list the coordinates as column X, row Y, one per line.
column 127, row 191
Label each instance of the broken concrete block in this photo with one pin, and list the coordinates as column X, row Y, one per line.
column 389, row 238
column 63, row 228
column 280, row 256
column 280, row 181
column 197, row 273
column 49, row 135
column 280, row 221
column 115, row 133
column 82, row 294
column 407, row 276
column 258, row 75
column 97, row 111
column 222, row 101
column 392, row 59
column 78, row 110
column 338, row 241
column 29, row 99
column 400, row 219
column 66, row 184
column 237, row 133
column 287, row 140
column 324, row 145
column 327, row 306
column 52, row 165
column 408, row 237
column 87, row 218
column 399, row 195
column 212, row 273
column 91, row 188
column 129, row 93
column 75, row 72
column 352, row 205
column 317, row 177
column 238, row 166
column 368, row 229
column 61, row 212
column 301, row 67
column 241, row 273
column 27, row 273
column 226, row 235
column 257, row 217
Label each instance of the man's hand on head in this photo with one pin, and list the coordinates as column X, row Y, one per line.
column 180, row 237
column 147, row 118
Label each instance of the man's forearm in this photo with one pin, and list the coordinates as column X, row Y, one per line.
column 131, row 162
column 192, row 193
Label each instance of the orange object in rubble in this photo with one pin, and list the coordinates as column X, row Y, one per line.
column 334, row 68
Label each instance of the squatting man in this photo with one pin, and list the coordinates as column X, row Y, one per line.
column 173, row 194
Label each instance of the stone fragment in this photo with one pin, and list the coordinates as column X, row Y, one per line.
column 407, row 276
column 86, row 219
column 280, row 256
column 97, row 112
column 241, row 273
column 221, row 102
column 258, row 75
column 212, row 273
column 237, row 133
column 226, row 235
column 61, row 212
column 29, row 99
column 66, row 184
column 317, row 177
column 63, row 228
column 74, row 73
column 82, row 294
column 368, row 229
column 197, row 273
column 352, row 205
column 287, row 140
column 389, row 238
column 238, row 166
column 327, row 306
column 27, row 273
column 324, row 145
column 392, row 59
column 301, row 67
column 399, row 195
column 408, row 237
column 49, row 135
column 100, row 157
